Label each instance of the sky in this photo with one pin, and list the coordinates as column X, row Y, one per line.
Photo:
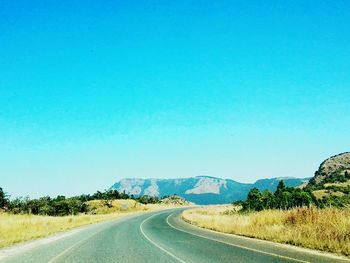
column 95, row 91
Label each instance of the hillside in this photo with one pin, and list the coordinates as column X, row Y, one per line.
column 331, row 183
column 199, row 189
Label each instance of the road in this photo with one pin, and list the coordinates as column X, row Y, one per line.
column 159, row 237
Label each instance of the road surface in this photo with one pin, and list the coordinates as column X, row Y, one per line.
column 157, row 237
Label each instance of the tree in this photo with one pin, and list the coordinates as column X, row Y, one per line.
column 285, row 200
column 301, row 198
column 268, row 200
column 3, row 199
column 124, row 195
column 146, row 199
column 283, row 196
column 254, row 200
column 281, row 187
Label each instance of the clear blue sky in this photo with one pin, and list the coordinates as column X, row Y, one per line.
column 94, row 91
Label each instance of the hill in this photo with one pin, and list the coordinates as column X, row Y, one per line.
column 199, row 189
column 331, row 183
column 174, row 200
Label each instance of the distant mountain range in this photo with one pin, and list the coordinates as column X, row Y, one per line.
column 201, row 189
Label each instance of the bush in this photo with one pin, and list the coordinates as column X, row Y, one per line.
column 145, row 199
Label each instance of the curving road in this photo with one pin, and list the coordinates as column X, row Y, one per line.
column 158, row 237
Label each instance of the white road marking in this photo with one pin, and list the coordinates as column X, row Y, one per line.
column 234, row 245
column 29, row 245
column 52, row 260
column 155, row 244
column 119, row 220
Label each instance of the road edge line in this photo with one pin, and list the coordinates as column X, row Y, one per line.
column 230, row 244
column 155, row 244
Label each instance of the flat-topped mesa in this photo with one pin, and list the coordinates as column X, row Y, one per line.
column 200, row 189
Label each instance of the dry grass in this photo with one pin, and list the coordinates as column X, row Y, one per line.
column 99, row 206
column 344, row 184
column 129, row 205
column 319, row 194
column 19, row 228
column 326, row 229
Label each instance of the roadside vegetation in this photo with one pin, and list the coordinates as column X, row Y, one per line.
column 283, row 198
column 23, row 219
column 330, row 193
column 315, row 215
column 333, row 189
column 325, row 229
column 63, row 206
column 289, row 215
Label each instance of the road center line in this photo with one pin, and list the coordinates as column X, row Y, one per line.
column 155, row 244
column 234, row 245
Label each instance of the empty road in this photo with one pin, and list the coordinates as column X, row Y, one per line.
column 157, row 237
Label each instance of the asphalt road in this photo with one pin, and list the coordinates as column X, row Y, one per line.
column 159, row 237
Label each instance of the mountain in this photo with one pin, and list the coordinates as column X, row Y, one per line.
column 200, row 189
column 331, row 183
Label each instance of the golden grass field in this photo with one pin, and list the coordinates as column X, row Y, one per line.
column 19, row 228
column 322, row 229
